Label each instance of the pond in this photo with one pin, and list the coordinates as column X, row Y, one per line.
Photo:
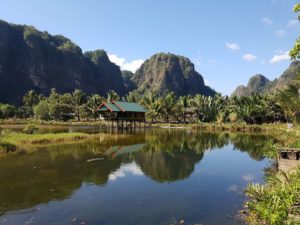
column 154, row 176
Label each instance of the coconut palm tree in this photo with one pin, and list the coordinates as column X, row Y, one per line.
column 289, row 100
column 168, row 105
column 153, row 105
column 92, row 103
column 112, row 96
column 184, row 106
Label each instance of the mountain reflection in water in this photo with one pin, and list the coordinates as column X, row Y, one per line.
column 56, row 172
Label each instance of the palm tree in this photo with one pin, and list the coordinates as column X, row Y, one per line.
column 168, row 105
column 112, row 96
column 153, row 106
column 132, row 97
column 205, row 107
column 78, row 99
column 184, row 104
column 246, row 107
column 289, row 100
column 92, row 103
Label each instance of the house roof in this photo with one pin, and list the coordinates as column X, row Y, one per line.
column 108, row 107
column 118, row 106
column 129, row 106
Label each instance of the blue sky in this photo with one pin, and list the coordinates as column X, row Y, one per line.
column 228, row 40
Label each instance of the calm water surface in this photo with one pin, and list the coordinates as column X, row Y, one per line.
column 151, row 177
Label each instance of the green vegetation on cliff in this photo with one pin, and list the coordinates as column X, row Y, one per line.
column 168, row 72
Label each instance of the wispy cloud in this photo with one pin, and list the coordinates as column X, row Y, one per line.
column 267, row 21
column 280, row 33
column 232, row 46
column 279, row 57
column 292, row 23
column 207, row 82
column 248, row 177
column 249, row 57
column 124, row 65
column 233, row 188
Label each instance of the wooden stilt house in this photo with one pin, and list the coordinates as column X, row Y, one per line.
column 124, row 114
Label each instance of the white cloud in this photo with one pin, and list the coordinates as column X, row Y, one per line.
column 124, row 65
column 268, row 21
column 280, row 33
column 249, row 57
column 293, row 23
column 232, row 46
column 280, row 57
column 130, row 168
column 207, row 82
column 248, row 177
column 233, row 188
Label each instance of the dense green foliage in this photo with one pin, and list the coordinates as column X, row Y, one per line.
column 255, row 109
column 295, row 52
column 272, row 203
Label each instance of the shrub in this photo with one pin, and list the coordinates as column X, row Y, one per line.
column 30, row 129
column 233, row 117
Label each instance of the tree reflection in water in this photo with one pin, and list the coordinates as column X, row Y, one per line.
column 55, row 172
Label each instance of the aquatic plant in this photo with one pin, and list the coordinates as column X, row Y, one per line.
column 276, row 202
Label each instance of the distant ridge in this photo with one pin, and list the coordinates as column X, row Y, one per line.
column 260, row 84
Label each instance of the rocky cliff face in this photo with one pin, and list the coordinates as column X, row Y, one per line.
column 260, row 84
column 288, row 76
column 169, row 72
column 257, row 84
column 30, row 59
column 128, row 82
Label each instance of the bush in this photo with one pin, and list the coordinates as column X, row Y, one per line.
column 41, row 111
column 233, row 117
column 30, row 129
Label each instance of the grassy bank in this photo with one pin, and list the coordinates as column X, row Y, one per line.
column 10, row 141
column 51, row 122
column 276, row 202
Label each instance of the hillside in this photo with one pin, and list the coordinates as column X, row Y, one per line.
column 260, row 84
column 31, row 59
column 168, row 72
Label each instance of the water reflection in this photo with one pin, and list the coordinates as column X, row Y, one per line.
column 55, row 173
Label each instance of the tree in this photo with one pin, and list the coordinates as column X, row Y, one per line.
column 92, row 103
column 132, row 97
column 7, row 110
column 168, row 103
column 41, row 111
column 184, row 104
column 153, row 105
column 24, row 112
column 112, row 96
column 60, row 106
column 290, row 103
column 31, row 98
column 295, row 52
column 78, row 99
column 205, row 108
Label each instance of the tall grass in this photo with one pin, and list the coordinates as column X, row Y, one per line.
column 13, row 141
